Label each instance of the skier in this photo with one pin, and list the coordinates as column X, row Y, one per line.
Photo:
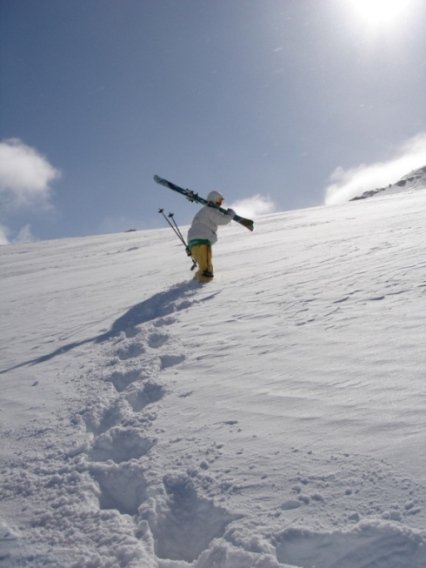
column 202, row 234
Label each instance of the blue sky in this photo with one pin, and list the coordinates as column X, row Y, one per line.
column 264, row 98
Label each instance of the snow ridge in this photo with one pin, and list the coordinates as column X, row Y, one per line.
column 415, row 180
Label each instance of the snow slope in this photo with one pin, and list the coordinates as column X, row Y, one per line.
column 275, row 417
column 413, row 181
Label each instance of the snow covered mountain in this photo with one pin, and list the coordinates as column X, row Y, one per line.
column 273, row 418
column 412, row 181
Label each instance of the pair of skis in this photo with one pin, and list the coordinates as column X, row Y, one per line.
column 192, row 196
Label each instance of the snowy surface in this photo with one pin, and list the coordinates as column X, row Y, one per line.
column 415, row 180
column 275, row 417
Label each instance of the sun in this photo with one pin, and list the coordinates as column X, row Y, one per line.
column 380, row 12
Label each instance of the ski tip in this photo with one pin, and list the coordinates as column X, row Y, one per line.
column 247, row 223
column 161, row 181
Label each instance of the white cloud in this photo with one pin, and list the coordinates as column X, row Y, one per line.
column 25, row 174
column 3, row 235
column 25, row 235
column 253, row 206
column 346, row 184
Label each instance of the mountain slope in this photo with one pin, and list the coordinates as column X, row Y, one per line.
column 410, row 182
column 271, row 418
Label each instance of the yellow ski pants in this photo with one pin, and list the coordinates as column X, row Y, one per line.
column 202, row 254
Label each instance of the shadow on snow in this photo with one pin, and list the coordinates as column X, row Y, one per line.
column 163, row 304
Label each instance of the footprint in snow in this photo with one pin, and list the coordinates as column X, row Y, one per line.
column 140, row 398
column 156, row 340
column 130, row 351
column 122, row 487
column 188, row 522
column 121, row 380
column 99, row 421
column 120, row 445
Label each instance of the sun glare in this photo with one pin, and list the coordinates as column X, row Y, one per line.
column 380, row 12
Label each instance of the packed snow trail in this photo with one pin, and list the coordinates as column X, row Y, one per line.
column 274, row 418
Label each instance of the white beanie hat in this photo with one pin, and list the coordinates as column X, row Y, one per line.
column 214, row 197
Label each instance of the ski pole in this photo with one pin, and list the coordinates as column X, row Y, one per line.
column 172, row 217
column 174, row 226
column 177, row 233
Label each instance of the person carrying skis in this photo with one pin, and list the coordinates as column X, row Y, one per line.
column 202, row 234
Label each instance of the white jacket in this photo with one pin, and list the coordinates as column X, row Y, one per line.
column 205, row 223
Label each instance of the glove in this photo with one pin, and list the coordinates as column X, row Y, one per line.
column 231, row 212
